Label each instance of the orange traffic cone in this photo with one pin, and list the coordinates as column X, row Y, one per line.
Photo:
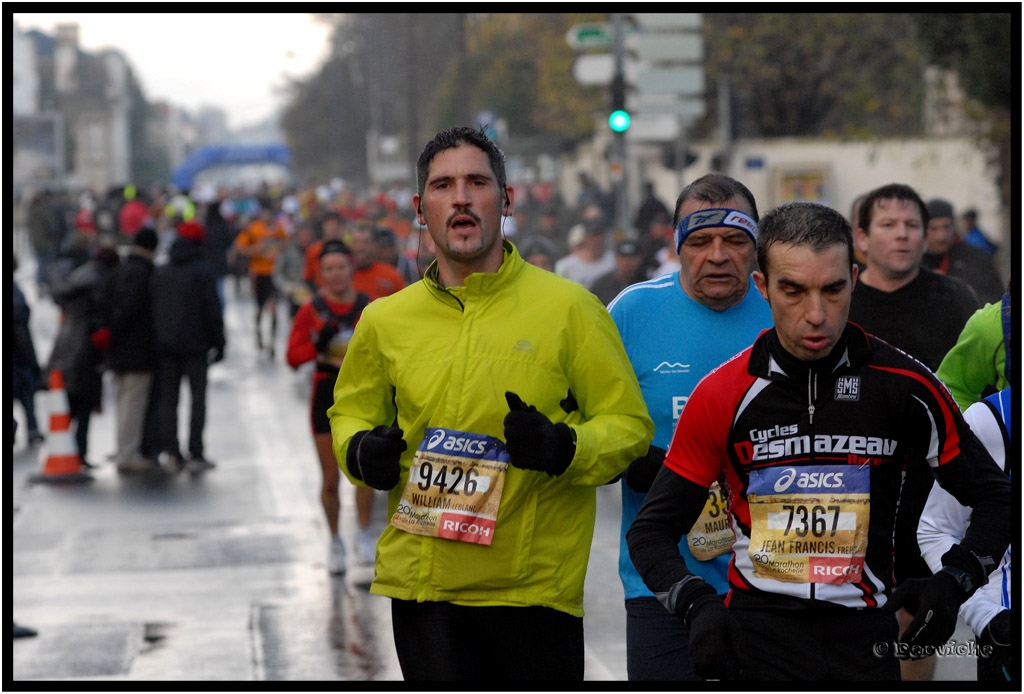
column 61, row 462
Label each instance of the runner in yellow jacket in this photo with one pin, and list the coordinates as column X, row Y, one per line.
column 491, row 399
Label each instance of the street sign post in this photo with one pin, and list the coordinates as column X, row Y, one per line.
column 686, row 107
column 682, row 79
column 668, row 21
column 658, row 48
column 590, row 35
column 653, row 127
column 597, row 69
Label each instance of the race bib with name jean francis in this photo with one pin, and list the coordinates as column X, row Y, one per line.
column 809, row 524
column 454, row 487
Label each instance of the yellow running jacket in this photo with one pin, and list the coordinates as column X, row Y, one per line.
column 432, row 357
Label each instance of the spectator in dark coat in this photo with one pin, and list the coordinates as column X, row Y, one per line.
column 27, row 374
column 629, row 269
column 649, row 208
column 78, row 247
column 47, row 228
column 948, row 254
column 219, row 237
column 83, row 338
column 189, row 336
column 132, row 356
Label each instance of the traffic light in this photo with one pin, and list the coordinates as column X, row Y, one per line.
column 618, row 119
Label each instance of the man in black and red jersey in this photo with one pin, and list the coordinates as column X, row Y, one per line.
column 812, row 430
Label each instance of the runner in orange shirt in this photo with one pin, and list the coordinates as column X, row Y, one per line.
column 332, row 228
column 260, row 242
column 373, row 277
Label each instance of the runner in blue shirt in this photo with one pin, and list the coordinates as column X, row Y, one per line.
column 677, row 328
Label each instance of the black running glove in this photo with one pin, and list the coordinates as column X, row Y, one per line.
column 716, row 643
column 998, row 637
column 641, row 472
column 999, row 631
column 373, row 456
column 934, row 602
column 327, row 333
column 533, row 442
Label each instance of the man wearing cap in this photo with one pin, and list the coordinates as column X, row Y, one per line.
column 538, row 250
column 190, row 336
column 946, row 253
column 629, row 269
column 132, row 355
column 676, row 328
column 589, row 257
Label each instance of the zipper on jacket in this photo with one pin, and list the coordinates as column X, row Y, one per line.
column 812, row 381
column 439, row 287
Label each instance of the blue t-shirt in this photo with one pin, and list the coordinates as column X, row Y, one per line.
column 672, row 342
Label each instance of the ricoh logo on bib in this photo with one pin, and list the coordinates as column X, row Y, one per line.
column 444, row 441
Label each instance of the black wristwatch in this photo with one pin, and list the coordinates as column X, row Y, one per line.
column 963, row 578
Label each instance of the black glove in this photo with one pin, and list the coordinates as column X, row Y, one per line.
column 934, row 602
column 373, row 456
column 999, row 630
column 716, row 640
column 998, row 636
column 215, row 355
column 641, row 472
column 327, row 334
column 533, row 442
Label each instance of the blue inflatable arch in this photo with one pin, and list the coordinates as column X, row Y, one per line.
column 227, row 155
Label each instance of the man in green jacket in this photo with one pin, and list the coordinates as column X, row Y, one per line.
column 978, row 364
column 490, row 400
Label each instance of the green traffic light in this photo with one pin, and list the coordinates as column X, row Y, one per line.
column 619, row 121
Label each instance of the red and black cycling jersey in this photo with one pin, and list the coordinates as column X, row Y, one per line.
column 814, row 456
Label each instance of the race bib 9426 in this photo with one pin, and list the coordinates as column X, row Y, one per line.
column 454, row 487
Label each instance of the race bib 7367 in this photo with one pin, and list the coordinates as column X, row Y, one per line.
column 809, row 524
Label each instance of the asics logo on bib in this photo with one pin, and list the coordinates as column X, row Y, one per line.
column 455, row 444
column 808, row 480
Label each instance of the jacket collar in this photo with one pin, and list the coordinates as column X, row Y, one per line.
column 478, row 282
column 768, row 359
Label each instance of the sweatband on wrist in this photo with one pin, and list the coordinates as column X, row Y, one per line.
column 352, row 456
column 714, row 217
